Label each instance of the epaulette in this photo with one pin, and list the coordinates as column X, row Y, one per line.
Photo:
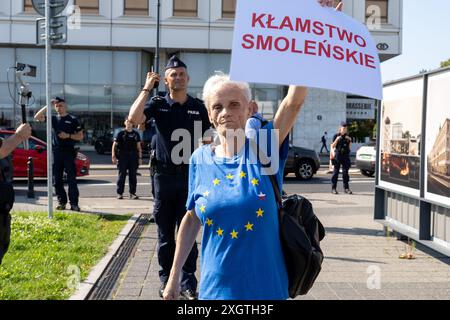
column 199, row 101
column 157, row 98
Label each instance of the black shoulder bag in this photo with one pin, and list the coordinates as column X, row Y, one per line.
column 300, row 235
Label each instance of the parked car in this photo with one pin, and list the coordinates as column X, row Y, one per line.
column 103, row 144
column 366, row 157
column 37, row 149
column 303, row 162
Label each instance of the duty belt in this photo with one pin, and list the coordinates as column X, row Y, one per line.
column 171, row 169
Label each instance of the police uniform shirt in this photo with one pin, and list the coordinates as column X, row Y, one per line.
column 68, row 124
column 342, row 146
column 169, row 116
column 127, row 141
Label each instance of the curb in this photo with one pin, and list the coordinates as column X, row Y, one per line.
column 87, row 285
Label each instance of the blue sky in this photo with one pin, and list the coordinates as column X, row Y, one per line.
column 426, row 39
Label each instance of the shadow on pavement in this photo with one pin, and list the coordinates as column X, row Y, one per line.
column 354, row 231
column 354, row 260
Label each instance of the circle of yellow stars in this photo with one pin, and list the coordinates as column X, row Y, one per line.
column 249, row 226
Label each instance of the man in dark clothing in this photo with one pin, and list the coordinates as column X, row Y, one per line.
column 341, row 158
column 23, row 132
column 177, row 111
column 127, row 154
column 67, row 131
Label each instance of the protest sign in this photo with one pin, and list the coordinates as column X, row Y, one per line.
column 302, row 43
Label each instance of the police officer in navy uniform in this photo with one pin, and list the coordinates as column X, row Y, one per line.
column 341, row 147
column 67, row 131
column 22, row 133
column 127, row 154
column 177, row 110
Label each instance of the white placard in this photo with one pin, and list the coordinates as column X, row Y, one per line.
column 301, row 43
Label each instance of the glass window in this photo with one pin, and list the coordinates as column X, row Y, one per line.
column 126, row 68
column 228, row 8
column 77, row 67
column 6, row 61
column 185, row 8
column 88, row 6
column 377, row 9
column 136, row 7
column 28, row 7
column 100, row 67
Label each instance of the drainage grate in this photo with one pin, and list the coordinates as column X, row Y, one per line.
column 105, row 285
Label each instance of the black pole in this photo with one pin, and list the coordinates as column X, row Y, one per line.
column 30, row 169
column 30, row 165
column 158, row 25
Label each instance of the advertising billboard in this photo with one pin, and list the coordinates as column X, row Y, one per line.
column 400, row 137
column 437, row 144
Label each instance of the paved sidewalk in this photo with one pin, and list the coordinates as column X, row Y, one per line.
column 360, row 261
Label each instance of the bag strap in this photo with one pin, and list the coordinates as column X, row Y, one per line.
column 272, row 178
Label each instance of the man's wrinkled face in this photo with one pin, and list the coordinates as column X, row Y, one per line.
column 229, row 109
column 176, row 79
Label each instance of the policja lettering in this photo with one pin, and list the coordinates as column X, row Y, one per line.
column 202, row 311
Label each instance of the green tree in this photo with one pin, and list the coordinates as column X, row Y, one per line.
column 445, row 63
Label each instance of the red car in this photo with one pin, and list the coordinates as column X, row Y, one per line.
column 38, row 150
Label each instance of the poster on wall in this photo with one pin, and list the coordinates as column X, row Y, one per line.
column 437, row 144
column 400, row 137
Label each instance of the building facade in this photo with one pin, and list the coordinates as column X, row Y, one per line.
column 111, row 46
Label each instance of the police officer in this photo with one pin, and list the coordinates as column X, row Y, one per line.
column 177, row 110
column 127, row 154
column 67, row 131
column 23, row 132
column 341, row 147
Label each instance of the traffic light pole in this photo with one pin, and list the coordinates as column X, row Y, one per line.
column 48, row 69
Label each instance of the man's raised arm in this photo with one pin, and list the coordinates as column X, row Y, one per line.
column 289, row 109
column 136, row 115
column 40, row 115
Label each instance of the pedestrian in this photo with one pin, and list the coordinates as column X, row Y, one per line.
column 7, row 146
column 234, row 200
column 341, row 158
column 66, row 132
column 324, row 142
column 177, row 112
column 127, row 155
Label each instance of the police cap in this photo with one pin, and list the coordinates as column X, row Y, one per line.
column 175, row 62
column 58, row 99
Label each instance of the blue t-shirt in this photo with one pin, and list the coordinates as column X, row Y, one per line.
column 235, row 202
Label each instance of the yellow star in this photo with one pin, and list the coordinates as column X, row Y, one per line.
column 209, row 222
column 216, row 181
column 230, row 176
column 260, row 212
column 206, row 193
column 202, row 208
column 219, row 232
column 242, row 175
column 249, row 226
column 234, row 234
column 255, row 182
